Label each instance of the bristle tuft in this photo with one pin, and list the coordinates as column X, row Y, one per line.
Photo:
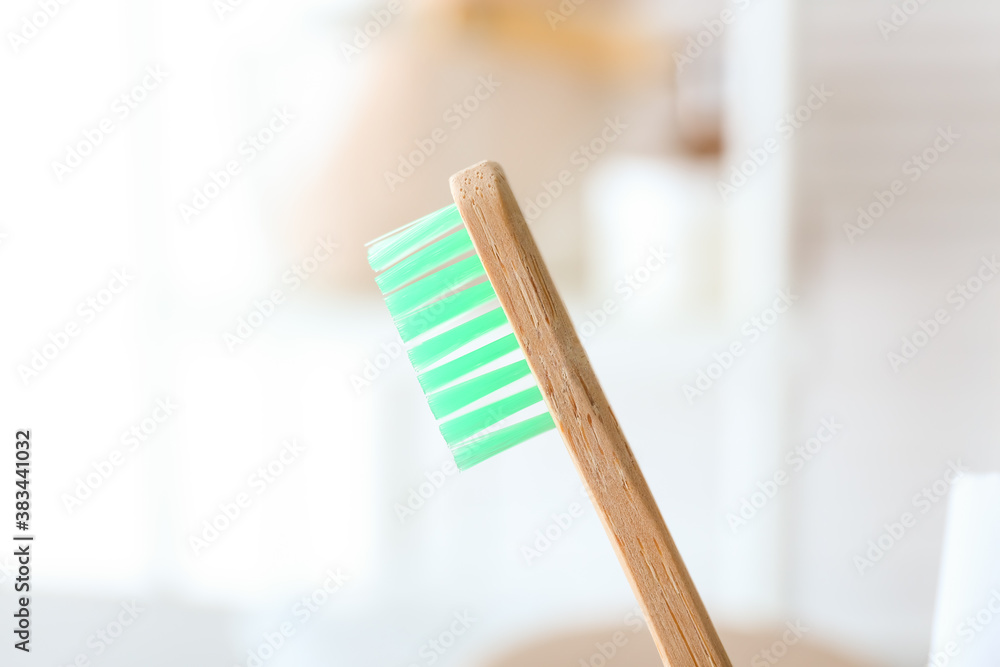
column 473, row 372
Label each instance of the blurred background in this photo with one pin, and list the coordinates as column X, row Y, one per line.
column 774, row 222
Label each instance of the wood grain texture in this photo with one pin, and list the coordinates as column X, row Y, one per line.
column 681, row 628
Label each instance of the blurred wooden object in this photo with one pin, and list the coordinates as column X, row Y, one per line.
column 638, row 650
column 557, row 88
column 594, row 37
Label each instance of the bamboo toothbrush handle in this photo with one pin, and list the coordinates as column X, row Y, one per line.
column 674, row 612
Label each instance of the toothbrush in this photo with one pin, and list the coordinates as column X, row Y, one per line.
column 431, row 273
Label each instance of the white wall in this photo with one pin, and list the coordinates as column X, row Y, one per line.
column 900, row 428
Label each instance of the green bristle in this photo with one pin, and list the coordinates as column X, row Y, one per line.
column 391, row 248
column 436, row 378
column 445, row 343
column 425, row 288
column 460, row 428
column 439, row 312
column 433, row 256
column 433, row 286
column 449, row 400
column 478, row 449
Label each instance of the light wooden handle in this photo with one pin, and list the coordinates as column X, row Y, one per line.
column 674, row 612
